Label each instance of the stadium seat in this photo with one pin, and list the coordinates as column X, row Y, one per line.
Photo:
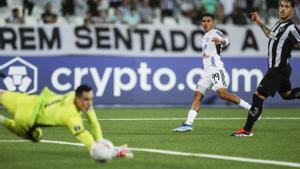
column 156, row 21
column 110, row 11
column 76, row 20
column 15, row 4
column 31, row 20
column 37, row 11
column 184, row 20
column 61, row 20
column 4, row 12
column 2, row 21
column 169, row 21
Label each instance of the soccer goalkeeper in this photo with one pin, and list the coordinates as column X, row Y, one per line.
column 31, row 112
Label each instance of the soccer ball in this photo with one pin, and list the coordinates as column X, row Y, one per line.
column 102, row 151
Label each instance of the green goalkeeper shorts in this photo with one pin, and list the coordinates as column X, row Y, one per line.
column 25, row 108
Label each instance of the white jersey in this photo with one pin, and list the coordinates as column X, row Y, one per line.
column 211, row 51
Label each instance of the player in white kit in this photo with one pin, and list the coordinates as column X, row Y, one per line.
column 214, row 76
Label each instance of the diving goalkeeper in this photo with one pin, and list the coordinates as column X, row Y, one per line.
column 31, row 112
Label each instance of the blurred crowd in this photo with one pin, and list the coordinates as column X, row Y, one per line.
column 134, row 12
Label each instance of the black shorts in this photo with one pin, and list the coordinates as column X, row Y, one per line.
column 275, row 80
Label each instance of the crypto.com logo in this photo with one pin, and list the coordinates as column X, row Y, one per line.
column 21, row 76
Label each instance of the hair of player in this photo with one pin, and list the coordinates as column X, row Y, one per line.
column 290, row 1
column 209, row 15
column 82, row 88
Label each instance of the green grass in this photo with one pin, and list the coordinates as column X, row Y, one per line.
column 273, row 140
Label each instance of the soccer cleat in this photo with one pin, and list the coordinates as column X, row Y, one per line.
column 123, row 152
column 242, row 133
column 183, row 128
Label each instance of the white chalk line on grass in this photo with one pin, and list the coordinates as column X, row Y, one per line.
column 203, row 118
column 178, row 153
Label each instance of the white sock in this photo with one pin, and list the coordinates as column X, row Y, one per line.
column 244, row 104
column 191, row 117
column 2, row 118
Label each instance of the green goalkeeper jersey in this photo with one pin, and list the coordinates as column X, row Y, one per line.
column 60, row 110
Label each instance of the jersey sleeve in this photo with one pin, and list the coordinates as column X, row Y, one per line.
column 86, row 138
column 221, row 36
column 295, row 35
column 76, row 127
column 94, row 124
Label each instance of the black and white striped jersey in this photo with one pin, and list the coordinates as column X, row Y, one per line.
column 282, row 39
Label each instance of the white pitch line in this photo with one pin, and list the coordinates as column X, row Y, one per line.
column 13, row 141
column 203, row 118
column 221, row 157
column 178, row 153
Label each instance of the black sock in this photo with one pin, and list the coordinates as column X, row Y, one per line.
column 254, row 112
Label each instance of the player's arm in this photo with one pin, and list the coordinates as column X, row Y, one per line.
column 225, row 42
column 95, row 126
column 77, row 129
column 86, row 138
column 295, row 36
column 265, row 29
column 256, row 18
column 221, row 39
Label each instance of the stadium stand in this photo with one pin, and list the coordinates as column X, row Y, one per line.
column 169, row 12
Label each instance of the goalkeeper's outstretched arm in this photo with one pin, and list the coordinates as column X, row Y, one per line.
column 95, row 126
column 86, row 138
column 77, row 129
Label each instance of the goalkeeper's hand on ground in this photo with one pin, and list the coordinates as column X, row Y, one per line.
column 123, row 152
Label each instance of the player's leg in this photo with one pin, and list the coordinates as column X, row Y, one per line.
column 253, row 115
column 285, row 90
column 291, row 94
column 35, row 134
column 9, row 101
column 4, row 121
column 255, row 111
column 225, row 95
column 8, row 123
column 202, row 88
column 268, row 87
column 221, row 81
column 11, row 126
column 287, row 93
column 196, row 104
column 192, row 114
column 11, row 107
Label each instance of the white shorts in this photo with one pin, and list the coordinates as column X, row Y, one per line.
column 213, row 79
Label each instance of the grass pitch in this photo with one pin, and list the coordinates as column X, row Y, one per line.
column 273, row 140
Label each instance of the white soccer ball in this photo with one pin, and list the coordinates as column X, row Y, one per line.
column 102, row 151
